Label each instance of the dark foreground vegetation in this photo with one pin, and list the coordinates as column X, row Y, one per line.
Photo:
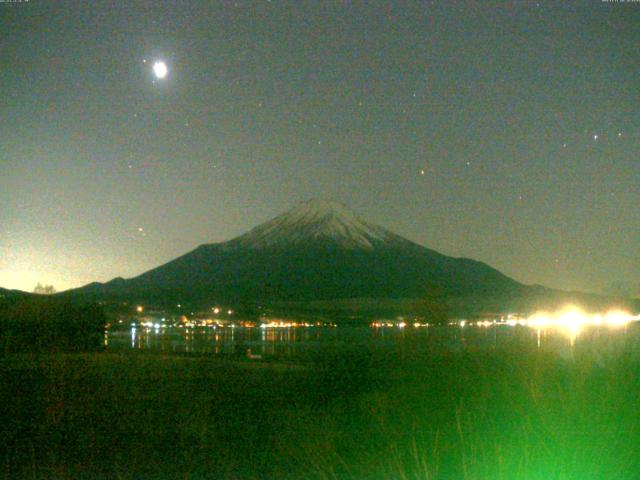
column 42, row 323
column 491, row 415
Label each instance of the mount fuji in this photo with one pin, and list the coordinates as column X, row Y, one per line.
column 318, row 250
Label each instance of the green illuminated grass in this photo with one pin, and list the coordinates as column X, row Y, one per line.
column 344, row 414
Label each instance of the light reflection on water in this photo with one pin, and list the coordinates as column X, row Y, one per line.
column 289, row 342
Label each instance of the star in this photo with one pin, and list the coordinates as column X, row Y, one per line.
column 595, row 136
column 421, row 172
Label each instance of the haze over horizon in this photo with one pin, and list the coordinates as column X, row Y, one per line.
column 505, row 132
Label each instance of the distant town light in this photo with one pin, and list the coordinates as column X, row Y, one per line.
column 571, row 320
column 139, row 309
column 216, row 310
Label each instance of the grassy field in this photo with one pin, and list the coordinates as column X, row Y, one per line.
column 344, row 414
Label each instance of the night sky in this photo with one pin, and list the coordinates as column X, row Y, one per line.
column 508, row 132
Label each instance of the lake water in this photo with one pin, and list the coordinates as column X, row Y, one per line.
column 300, row 341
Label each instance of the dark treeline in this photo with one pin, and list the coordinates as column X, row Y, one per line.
column 45, row 324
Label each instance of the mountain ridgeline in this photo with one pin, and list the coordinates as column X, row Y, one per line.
column 317, row 251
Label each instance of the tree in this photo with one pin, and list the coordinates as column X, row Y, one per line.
column 44, row 289
column 432, row 307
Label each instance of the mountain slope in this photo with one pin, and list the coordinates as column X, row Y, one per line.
column 318, row 250
column 12, row 294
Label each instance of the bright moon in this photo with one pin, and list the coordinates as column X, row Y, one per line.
column 160, row 69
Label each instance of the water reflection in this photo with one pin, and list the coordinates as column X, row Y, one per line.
column 292, row 341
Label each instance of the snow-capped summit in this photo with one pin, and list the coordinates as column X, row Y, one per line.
column 316, row 221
